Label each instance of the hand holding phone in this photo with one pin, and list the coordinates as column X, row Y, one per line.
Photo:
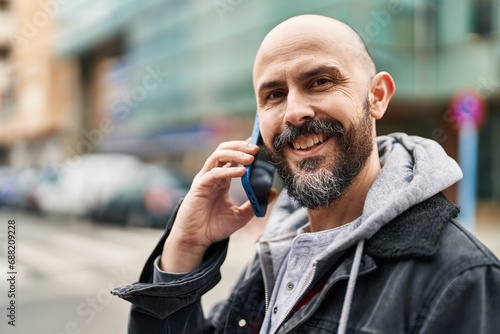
column 258, row 179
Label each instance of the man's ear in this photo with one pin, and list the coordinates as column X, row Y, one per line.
column 382, row 89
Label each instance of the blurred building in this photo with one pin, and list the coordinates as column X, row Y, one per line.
column 36, row 97
column 159, row 78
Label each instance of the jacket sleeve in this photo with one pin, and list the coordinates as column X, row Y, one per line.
column 469, row 304
column 172, row 306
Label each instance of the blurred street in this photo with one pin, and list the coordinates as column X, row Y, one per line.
column 67, row 266
column 66, row 269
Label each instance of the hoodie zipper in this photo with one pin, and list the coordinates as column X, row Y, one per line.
column 264, row 277
column 307, row 285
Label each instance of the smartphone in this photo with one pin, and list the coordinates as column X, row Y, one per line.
column 258, row 179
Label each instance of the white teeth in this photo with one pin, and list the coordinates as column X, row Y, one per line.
column 306, row 143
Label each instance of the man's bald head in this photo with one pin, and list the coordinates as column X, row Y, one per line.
column 310, row 31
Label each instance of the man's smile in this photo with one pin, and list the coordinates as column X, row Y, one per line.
column 309, row 141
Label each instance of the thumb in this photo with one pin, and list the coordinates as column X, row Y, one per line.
column 246, row 208
column 273, row 194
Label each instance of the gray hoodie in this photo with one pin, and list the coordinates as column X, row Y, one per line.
column 413, row 170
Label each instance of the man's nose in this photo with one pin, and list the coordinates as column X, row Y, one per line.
column 297, row 109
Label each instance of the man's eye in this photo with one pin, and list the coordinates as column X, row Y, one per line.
column 275, row 95
column 321, row 82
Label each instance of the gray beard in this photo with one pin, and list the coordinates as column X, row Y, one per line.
column 315, row 188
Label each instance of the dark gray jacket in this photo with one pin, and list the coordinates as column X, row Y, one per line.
column 420, row 273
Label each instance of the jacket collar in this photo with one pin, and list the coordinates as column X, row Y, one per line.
column 415, row 233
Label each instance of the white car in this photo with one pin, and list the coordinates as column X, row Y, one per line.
column 85, row 181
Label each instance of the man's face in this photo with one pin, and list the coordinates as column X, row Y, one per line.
column 314, row 110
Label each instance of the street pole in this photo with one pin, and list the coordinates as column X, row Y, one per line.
column 467, row 159
column 469, row 112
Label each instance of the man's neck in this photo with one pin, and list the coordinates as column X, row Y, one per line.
column 350, row 205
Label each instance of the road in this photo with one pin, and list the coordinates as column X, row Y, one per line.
column 66, row 267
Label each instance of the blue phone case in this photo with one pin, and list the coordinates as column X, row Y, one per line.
column 258, row 179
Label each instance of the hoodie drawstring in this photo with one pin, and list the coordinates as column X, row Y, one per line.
column 346, row 307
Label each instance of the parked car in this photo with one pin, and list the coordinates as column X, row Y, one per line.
column 147, row 198
column 83, row 183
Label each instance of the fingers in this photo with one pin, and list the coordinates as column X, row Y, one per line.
column 221, row 173
column 230, row 154
column 226, row 162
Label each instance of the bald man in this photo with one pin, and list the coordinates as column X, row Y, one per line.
column 361, row 239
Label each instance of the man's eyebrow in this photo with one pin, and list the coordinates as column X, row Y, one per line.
column 333, row 70
column 270, row 84
column 322, row 69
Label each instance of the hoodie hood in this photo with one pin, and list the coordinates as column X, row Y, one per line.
column 413, row 170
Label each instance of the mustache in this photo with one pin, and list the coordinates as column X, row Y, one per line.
column 310, row 126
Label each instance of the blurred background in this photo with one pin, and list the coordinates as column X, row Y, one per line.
column 108, row 109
